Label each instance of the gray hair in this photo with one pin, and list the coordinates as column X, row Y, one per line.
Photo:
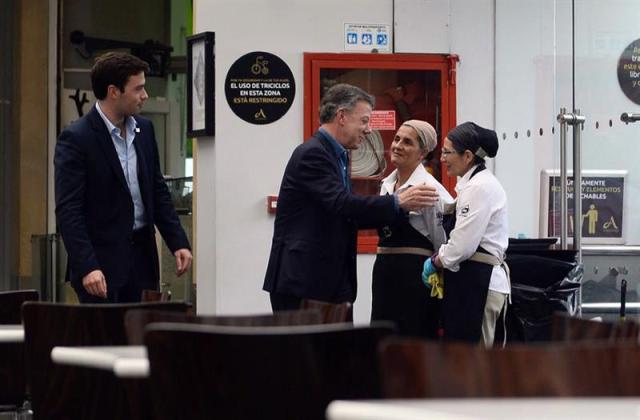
column 342, row 96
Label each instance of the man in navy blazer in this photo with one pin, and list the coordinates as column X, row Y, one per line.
column 110, row 192
column 313, row 252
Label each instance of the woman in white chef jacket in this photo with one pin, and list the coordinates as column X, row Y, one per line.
column 476, row 279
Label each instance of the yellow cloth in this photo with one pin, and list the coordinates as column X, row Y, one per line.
column 437, row 285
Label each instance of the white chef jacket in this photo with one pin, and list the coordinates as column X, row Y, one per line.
column 481, row 220
column 427, row 221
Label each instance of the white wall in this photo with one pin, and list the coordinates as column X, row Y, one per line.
column 243, row 164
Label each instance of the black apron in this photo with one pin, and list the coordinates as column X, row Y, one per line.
column 465, row 294
column 398, row 294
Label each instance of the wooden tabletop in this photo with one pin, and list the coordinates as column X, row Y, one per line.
column 489, row 408
column 11, row 333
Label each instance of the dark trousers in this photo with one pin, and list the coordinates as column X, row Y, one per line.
column 280, row 302
column 398, row 295
column 465, row 296
column 143, row 273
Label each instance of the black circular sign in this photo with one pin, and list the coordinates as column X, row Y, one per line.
column 629, row 71
column 260, row 87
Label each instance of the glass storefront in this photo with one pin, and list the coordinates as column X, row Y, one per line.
column 579, row 55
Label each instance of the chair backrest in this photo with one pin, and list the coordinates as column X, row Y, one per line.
column 330, row 312
column 137, row 319
column 568, row 328
column 421, row 369
column 11, row 305
column 263, row 372
column 13, row 376
column 60, row 391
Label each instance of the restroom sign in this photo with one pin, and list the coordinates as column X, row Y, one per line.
column 367, row 37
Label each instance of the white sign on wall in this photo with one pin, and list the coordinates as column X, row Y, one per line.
column 365, row 37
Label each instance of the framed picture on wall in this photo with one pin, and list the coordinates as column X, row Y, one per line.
column 200, row 89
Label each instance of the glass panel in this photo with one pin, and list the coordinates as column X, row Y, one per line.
column 400, row 95
column 532, row 81
column 603, row 31
column 607, row 84
column 571, row 53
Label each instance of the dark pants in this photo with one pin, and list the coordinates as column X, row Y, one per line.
column 280, row 302
column 465, row 296
column 398, row 295
column 143, row 273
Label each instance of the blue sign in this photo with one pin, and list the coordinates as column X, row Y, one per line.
column 366, row 37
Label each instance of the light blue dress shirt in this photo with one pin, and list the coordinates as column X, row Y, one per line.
column 129, row 162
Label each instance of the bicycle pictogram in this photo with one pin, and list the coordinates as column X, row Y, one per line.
column 260, row 66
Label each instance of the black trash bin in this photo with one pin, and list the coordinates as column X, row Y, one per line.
column 540, row 286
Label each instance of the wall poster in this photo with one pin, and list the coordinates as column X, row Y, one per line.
column 602, row 218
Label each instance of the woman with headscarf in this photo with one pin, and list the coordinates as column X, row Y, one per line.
column 476, row 279
column 397, row 290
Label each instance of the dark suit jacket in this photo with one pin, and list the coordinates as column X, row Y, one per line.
column 313, row 253
column 94, row 208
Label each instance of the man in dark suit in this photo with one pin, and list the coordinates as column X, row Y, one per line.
column 313, row 253
column 110, row 192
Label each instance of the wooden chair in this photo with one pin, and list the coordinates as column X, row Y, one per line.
column 421, row 369
column 65, row 392
column 567, row 328
column 136, row 320
column 330, row 312
column 260, row 373
column 13, row 376
column 11, row 305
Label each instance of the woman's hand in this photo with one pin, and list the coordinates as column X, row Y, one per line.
column 428, row 269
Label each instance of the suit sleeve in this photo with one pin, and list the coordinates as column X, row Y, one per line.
column 316, row 175
column 70, row 185
column 165, row 216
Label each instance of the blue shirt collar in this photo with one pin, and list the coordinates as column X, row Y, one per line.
column 131, row 124
column 337, row 147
